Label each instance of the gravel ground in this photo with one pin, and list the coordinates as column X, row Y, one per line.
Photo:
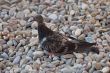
column 83, row 19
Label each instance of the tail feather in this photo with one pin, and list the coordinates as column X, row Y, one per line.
column 87, row 47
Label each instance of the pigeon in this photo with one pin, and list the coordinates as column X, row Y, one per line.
column 56, row 43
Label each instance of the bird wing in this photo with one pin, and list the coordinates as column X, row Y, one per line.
column 57, row 43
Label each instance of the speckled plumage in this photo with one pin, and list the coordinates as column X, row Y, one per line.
column 57, row 43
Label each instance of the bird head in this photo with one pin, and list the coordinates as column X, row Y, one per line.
column 38, row 18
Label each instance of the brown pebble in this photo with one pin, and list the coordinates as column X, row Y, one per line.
column 98, row 66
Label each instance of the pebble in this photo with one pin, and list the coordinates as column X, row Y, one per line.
column 20, row 15
column 104, row 43
column 81, row 37
column 98, row 66
column 2, row 65
column 33, row 41
column 97, row 24
column 53, row 16
column 10, row 43
column 84, row 6
column 38, row 53
column 99, row 17
column 22, row 22
column 97, row 72
column 28, row 68
column 34, row 32
column 16, row 60
column 34, row 25
column 1, row 48
column 56, row 63
column 5, row 55
column 78, row 55
column 1, row 26
column 68, row 56
column 89, row 39
column 72, row 12
column 66, row 70
column 78, row 32
column 26, row 12
column 106, row 70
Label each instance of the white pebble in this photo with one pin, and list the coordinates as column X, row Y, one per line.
column 34, row 25
column 78, row 32
column 72, row 12
column 53, row 16
column 38, row 53
column 106, row 70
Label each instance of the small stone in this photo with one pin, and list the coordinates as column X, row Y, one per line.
column 2, row 65
column 106, row 70
column 30, row 53
column 84, row 6
column 5, row 55
column 20, row 15
column 104, row 43
column 1, row 26
column 56, row 63
column 26, row 12
column 98, row 66
column 23, row 61
column 33, row 41
column 86, row 29
column 36, row 64
column 68, row 56
column 79, row 61
column 53, row 16
column 78, row 55
column 97, row 24
column 69, row 61
column 107, row 37
column 34, row 25
column 23, row 41
column 17, row 70
column 99, row 17
column 66, row 70
column 38, row 54
column 78, row 32
column 22, row 22
column 34, row 32
column 10, row 43
column 89, row 39
column 1, row 48
column 28, row 68
column 55, row 58
column 97, row 72
column 72, row 12
column 81, row 37
column 73, row 27
column 16, row 60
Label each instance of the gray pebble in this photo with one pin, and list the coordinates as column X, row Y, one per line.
column 1, row 26
column 89, row 39
column 4, row 55
column 53, row 16
column 97, row 72
column 16, row 60
column 10, row 43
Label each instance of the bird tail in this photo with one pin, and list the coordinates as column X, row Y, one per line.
column 88, row 47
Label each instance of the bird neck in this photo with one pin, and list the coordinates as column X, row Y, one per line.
column 43, row 31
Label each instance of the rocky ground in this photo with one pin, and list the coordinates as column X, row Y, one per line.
column 83, row 19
